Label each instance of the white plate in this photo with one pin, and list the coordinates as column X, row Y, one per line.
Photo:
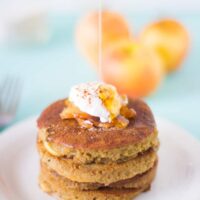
column 178, row 175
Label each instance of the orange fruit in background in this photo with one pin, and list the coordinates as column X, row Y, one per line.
column 170, row 39
column 114, row 28
column 133, row 68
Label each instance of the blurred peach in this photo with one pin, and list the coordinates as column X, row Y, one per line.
column 170, row 39
column 114, row 28
column 133, row 68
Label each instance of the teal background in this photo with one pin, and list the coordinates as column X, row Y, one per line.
column 49, row 70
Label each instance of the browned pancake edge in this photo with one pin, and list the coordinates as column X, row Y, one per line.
column 68, row 133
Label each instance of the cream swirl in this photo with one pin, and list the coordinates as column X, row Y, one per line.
column 98, row 99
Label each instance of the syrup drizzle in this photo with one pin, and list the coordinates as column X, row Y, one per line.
column 100, row 32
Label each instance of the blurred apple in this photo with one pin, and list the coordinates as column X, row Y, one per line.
column 134, row 69
column 91, row 38
column 170, row 39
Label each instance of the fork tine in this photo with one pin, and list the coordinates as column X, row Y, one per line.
column 10, row 95
column 5, row 93
column 15, row 98
column 3, row 83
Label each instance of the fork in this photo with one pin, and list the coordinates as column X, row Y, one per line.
column 10, row 93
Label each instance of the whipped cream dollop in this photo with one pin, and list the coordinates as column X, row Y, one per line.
column 98, row 99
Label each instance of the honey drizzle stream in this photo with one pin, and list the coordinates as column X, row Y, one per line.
column 100, row 39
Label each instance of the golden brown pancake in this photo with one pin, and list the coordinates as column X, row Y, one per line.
column 56, row 185
column 100, row 173
column 137, row 181
column 97, row 145
column 102, row 156
column 49, row 186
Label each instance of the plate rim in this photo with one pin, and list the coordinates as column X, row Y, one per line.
column 5, row 135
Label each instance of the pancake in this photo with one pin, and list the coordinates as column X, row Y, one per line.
column 98, row 173
column 101, row 156
column 137, row 181
column 97, row 145
column 54, row 185
column 49, row 186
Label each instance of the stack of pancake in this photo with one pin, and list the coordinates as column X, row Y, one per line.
column 97, row 163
